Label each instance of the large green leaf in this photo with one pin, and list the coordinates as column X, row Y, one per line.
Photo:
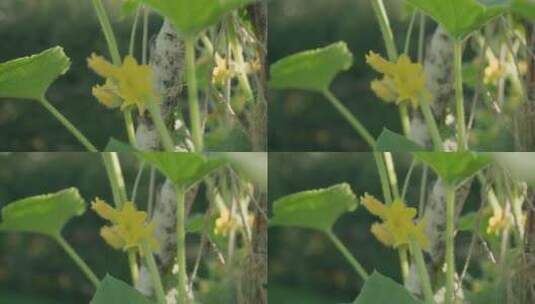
column 30, row 77
column 184, row 169
column 191, row 17
column 525, row 8
column 45, row 214
column 379, row 289
column 454, row 167
column 112, row 290
column 521, row 165
column 461, row 17
column 389, row 141
column 314, row 209
column 312, row 70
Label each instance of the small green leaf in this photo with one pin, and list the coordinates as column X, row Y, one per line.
column 112, row 290
column 191, row 17
column 195, row 223
column 30, row 77
column 454, row 167
column 115, row 145
column 312, row 70
column 184, row 169
column 389, row 141
column 45, row 214
column 128, row 8
column 379, row 289
column 314, row 209
column 460, row 17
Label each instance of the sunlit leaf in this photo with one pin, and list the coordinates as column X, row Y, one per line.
column 191, row 17
column 461, row 17
column 379, row 289
column 312, row 70
column 389, row 141
column 30, row 77
column 314, row 209
column 184, row 169
column 45, row 214
column 112, row 290
column 454, row 167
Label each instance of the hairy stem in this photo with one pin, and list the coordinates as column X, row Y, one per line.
column 431, row 124
column 425, row 281
column 181, row 245
column 383, row 176
column 193, row 97
column 459, row 95
column 154, row 273
column 108, row 31
column 130, row 129
column 67, row 124
column 450, row 250
column 349, row 257
column 78, row 260
column 355, row 123
column 134, row 269
column 157, row 118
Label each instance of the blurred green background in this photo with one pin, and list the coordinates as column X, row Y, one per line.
column 34, row 269
column 304, row 266
column 31, row 26
column 300, row 121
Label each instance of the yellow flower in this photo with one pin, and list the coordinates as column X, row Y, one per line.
column 129, row 229
column 131, row 81
column 226, row 222
column 493, row 72
column 497, row 222
column 108, row 94
column 398, row 223
column 221, row 72
column 403, row 81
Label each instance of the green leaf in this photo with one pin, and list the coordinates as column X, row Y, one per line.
column 128, row 8
column 389, row 141
column 112, row 290
column 524, row 8
column 379, row 289
column 45, row 214
column 454, row 167
column 184, row 169
column 312, row 70
column 115, row 145
column 191, row 17
column 521, row 165
column 30, row 77
column 314, row 209
column 195, row 223
column 460, row 17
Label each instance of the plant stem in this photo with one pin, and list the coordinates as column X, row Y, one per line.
column 145, row 42
column 355, row 123
column 181, row 245
column 108, row 31
column 383, row 176
column 404, row 263
column 459, row 95
column 129, row 124
column 155, row 275
column 115, row 176
column 386, row 30
column 156, row 115
column 349, row 257
column 67, row 124
column 405, row 120
column 133, row 32
column 134, row 270
column 425, row 281
column 431, row 124
column 193, row 98
column 78, row 260
column 392, row 176
column 450, row 253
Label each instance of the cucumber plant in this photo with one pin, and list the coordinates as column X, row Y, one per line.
column 219, row 46
column 424, row 236
column 152, row 236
